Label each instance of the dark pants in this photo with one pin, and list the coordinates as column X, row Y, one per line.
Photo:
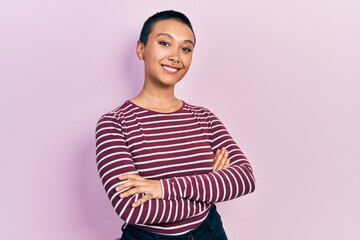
column 210, row 229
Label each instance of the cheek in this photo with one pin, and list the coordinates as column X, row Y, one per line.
column 152, row 61
column 187, row 61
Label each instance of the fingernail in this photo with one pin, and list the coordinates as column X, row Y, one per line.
column 117, row 189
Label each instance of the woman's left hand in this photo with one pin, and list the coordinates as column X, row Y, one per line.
column 151, row 189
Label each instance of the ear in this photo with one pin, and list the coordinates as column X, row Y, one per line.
column 140, row 50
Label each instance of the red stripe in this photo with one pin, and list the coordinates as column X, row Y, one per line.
column 173, row 146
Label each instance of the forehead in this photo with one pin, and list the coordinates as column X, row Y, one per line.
column 175, row 28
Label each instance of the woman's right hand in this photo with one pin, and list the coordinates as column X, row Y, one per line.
column 221, row 160
column 150, row 189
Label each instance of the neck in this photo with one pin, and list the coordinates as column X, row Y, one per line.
column 158, row 98
column 157, row 95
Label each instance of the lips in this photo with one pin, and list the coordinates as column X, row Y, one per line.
column 170, row 70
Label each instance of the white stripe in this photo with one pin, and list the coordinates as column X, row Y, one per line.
column 119, row 136
column 242, row 181
column 192, row 189
column 148, row 213
column 217, row 187
column 185, row 186
column 114, row 161
column 164, row 127
column 174, row 165
column 250, row 185
column 204, row 188
column 197, row 188
column 170, row 159
column 161, row 134
column 226, row 140
column 176, row 151
column 170, row 210
column 109, row 148
column 177, row 187
column 106, row 128
column 166, row 139
column 176, row 209
column 163, row 211
column 102, row 121
column 210, row 186
column 156, row 210
column 169, row 188
column 188, row 209
column 110, row 140
column 236, row 183
column 182, row 209
column 180, row 171
column 162, row 115
column 107, row 156
column 140, row 213
column 223, row 186
column 125, row 206
column 132, row 210
column 114, row 169
column 170, row 145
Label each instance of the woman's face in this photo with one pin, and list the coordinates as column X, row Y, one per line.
column 168, row 52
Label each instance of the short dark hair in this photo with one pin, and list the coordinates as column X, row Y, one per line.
column 164, row 15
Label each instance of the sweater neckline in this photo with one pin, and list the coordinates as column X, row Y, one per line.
column 156, row 112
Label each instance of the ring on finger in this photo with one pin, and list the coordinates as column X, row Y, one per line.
column 149, row 195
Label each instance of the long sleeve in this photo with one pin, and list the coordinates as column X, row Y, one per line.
column 114, row 159
column 235, row 181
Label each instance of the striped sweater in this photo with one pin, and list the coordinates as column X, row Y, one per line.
column 176, row 148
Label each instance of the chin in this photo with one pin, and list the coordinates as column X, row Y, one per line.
column 169, row 82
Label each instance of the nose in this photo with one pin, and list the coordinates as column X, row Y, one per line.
column 174, row 59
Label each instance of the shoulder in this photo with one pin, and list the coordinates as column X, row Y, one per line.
column 200, row 110
column 205, row 114
column 118, row 113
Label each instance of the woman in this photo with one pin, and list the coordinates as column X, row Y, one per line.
column 164, row 162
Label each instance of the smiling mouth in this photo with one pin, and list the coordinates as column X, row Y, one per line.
column 169, row 69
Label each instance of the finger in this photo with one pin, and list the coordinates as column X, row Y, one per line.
column 217, row 153
column 124, row 185
column 131, row 180
column 225, row 159
column 138, row 203
column 217, row 159
column 216, row 163
column 222, row 161
column 130, row 177
column 129, row 184
column 227, row 164
column 131, row 192
column 142, row 200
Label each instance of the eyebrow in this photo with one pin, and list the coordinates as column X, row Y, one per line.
column 168, row 35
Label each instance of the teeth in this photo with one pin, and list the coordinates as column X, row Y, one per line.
column 170, row 69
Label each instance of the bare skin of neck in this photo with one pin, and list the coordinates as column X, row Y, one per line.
column 157, row 98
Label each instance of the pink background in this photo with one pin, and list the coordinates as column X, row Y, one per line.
column 284, row 77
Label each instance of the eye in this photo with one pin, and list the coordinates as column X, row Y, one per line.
column 164, row 44
column 186, row 50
